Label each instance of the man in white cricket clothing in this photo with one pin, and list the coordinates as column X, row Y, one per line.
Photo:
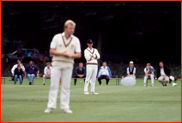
column 65, row 47
column 91, row 55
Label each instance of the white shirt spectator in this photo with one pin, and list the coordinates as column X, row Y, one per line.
column 54, row 42
column 103, row 71
column 162, row 72
column 130, row 69
column 15, row 66
column 48, row 70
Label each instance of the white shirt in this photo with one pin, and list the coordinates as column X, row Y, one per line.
column 48, row 70
column 15, row 66
column 162, row 72
column 103, row 71
column 129, row 69
column 54, row 42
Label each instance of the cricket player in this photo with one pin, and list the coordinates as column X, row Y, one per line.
column 91, row 55
column 65, row 47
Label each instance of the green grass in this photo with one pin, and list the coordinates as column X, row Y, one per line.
column 24, row 103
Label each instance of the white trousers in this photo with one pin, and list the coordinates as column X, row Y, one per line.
column 65, row 73
column 44, row 78
column 151, row 77
column 90, row 77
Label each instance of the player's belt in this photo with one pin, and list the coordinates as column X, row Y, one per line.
column 92, row 64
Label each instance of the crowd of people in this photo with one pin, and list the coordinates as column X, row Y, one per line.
column 31, row 71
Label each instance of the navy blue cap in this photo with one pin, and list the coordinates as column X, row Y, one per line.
column 90, row 41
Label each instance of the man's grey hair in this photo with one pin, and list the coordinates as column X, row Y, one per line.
column 69, row 22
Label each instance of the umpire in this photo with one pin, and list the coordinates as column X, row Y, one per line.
column 79, row 72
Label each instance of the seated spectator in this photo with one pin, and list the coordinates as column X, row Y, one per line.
column 15, row 66
column 131, row 70
column 35, row 57
column 79, row 72
column 18, row 74
column 30, row 72
column 163, row 74
column 104, row 73
column 149, row 72
column 47, row 72
column 28, row 55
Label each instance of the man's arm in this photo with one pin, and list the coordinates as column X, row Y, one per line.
column 110, row 75
column 54, row 52
column 77, row 55
column 12, row 70
column 127, row 70
column 134, row 71
column 38, row 74
column 96, row 55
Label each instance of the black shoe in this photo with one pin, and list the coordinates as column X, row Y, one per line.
column 30, row 83
column 44, row 84
column 165, row 85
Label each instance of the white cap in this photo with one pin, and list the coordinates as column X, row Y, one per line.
column 131, row 61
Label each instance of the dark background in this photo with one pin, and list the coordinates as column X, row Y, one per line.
column 138, row 31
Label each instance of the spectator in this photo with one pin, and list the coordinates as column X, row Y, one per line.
column 15, row 66
column 131, row 70
column 19, row 52
column 163, row 73
column 28, row 55
column 30, row 72
column 149, row 72
column 34, row 57
column 47, row 72
column 104, row 73
column 18, row 74
column 79, row 72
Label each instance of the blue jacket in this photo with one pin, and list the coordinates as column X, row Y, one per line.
column 109, row 71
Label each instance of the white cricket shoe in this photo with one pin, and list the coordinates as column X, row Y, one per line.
column 68, row 111
column 48, row 110
column 144, row 84
column 152, row 85
column 86, row 92
column 94, row 93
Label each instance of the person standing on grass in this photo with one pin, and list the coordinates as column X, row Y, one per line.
column 30, row 72
column 65, row 47
column 18, row 73
column 149, row 72
column 79, row 72
column 91, row 55
column 104, row 73
column 131, row 70
column 163, row 73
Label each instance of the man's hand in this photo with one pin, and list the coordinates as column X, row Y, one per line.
column 81, row 76
column 37, row 76
column 13, row 74
column 46, row 75
column 109, row 78
column 91, row 56
column 25, row 76
column 146, row 74
column 65, row 54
